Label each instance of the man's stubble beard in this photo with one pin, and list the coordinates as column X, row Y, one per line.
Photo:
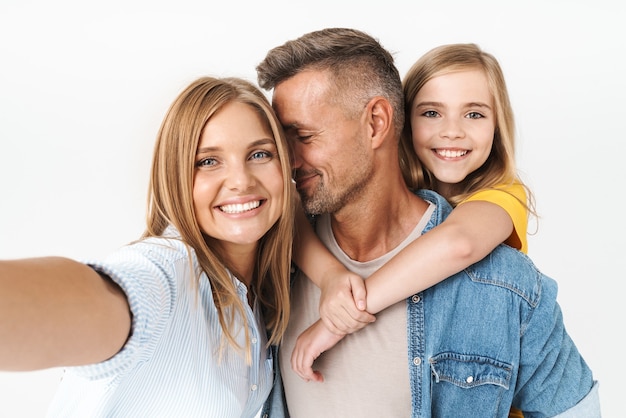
column 324, row 199
column 350, row 176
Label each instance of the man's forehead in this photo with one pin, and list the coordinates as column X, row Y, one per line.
column 304, row 86
column 298, row 113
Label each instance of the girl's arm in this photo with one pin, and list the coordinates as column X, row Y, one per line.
column 342, row 292
column 309, row 346
column 58, row 312
column 471, row 231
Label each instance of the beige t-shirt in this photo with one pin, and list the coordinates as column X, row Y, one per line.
column 366, row 374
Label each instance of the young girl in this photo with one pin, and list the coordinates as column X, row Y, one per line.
column 176, row 323
column 459, row 141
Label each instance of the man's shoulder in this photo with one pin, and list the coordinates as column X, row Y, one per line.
column 504, row 266
column 431, row 196
column 442, row 207
column 507, row 267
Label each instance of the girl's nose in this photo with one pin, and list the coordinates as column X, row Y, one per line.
column 452, row 128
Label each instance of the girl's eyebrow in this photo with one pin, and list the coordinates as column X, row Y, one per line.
column 439, row 104
column 478, row 104
column 433, row 104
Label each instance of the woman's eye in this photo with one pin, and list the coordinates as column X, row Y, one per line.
column 206, row 162
column 259, row 155
column 430, row 114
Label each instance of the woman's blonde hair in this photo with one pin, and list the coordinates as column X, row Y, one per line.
column 500, row 168
column 170, row 202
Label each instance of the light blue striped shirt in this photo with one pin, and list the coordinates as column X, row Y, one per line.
column 170, row 366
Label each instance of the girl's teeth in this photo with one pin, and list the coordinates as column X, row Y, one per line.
column 450, row 153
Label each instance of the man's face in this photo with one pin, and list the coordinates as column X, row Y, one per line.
column 331, row 151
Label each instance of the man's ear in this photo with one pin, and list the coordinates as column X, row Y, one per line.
column 380, row 120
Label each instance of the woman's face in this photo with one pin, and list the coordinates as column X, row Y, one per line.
column 453, row 123
column 238, row 182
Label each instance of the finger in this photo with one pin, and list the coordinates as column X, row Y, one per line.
column 331, row 325
column 317, row 377
column 303, row 367
column 302, row 364
column 353, row 321
column 306, row 368
column 359, row 293
column 295, row 363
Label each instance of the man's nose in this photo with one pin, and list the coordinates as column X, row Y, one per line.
column 295, row 154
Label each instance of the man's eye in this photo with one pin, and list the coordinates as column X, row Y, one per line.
column 304, row 138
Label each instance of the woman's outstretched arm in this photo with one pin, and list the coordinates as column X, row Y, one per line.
column 58, row 312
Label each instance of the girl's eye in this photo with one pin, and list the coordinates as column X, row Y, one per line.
column 430, row 114
column 474, row 115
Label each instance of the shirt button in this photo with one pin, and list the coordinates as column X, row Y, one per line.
column 254, row 340
column 469, row 379
column 417, row 361
column 253, row 387
column 415, row 298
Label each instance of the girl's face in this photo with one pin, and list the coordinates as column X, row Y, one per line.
column 238, row 182
column 453, row 123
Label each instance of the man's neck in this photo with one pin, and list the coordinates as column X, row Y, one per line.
column 378, row 222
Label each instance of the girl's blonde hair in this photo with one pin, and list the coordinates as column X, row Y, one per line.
column 500, row 168
column 170, row 202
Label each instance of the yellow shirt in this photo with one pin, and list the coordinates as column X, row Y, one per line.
column 511, row 198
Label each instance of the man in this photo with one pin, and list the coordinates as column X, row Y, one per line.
column 469, row 346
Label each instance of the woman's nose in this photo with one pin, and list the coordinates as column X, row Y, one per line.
column 240, row 177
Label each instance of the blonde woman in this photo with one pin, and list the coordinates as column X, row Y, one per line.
column 179, row 322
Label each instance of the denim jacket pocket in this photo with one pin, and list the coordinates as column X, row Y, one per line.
column 469, row 385
column 466, row 370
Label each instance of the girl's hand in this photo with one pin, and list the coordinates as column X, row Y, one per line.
column 309, row 346
column 342, row 303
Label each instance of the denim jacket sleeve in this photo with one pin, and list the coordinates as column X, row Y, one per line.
column 553, row 375
column 589, row 407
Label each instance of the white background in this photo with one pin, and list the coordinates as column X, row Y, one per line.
column 83, row 89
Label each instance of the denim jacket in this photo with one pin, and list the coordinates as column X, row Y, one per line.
column 487, row 338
